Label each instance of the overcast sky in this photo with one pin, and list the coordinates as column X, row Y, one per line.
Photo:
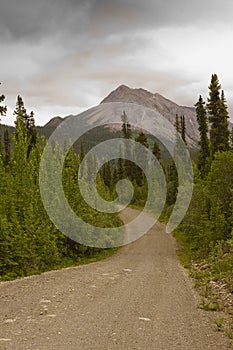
column 65, row 56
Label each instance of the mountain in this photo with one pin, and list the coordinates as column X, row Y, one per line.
column 157, row 102
column 54, row 122
column 142, row 97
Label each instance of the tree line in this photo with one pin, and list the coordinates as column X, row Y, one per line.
column 29, row 242
column 206, row 230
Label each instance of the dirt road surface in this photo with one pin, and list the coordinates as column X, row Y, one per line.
column 140, row 298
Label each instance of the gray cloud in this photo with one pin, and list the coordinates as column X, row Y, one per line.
column 32, row 19
column 72, row 53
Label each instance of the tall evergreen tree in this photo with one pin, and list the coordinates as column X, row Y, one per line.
column 28, row 121
column 203, row 130
column 126, row 126
column 32, row 133
column 177, row 124
column 127, row 134
column 180, row 126
column 82, row 154
column 20, row 110
column 224, row 130
column 183, row 128
column 219, row 133
column 3, row 109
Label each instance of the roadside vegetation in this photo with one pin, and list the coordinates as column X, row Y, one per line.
column 205, row 234
column 29, row 242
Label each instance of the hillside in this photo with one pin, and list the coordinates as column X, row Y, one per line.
column 156, row 101
column 167, row 108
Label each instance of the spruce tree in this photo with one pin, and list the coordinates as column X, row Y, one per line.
column 219, row 133
column 32, row 133
column 224, row 130
column 183, row 128
column 203, row 130
column 3, row 109
column 177, row 124
column 127, row 134
column 20, row 111
column 29, row 123
column 180, row 126
column 126, row 126
column 82, row 154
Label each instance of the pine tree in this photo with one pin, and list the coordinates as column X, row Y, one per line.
column 219, row 133
column 127, row 134
column 177, row 124
column 28, row 121
column 180, row 126
column 224, row 130
column 183, row 128
column 21, row 119
column 204, row 141
column 20, row 110
column 82, row 154
column 3, row 109
column 126, row 126
column 32, row 133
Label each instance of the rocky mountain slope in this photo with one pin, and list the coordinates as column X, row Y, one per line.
column 145, row 98
column 157, row 102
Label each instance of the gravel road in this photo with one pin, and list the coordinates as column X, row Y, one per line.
column 140, row 298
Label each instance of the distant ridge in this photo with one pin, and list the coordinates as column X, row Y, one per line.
column 54, row 122
column 140, row 96
column 167, row 108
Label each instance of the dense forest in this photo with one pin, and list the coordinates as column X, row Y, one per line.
column 29, row 242
column 206, row 231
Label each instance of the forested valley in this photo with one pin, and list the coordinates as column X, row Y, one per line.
column 30, row 243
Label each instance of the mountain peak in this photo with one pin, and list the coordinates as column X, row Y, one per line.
column 155, row 101
column 123, row 87
column 126, row 94
column 54, row 122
